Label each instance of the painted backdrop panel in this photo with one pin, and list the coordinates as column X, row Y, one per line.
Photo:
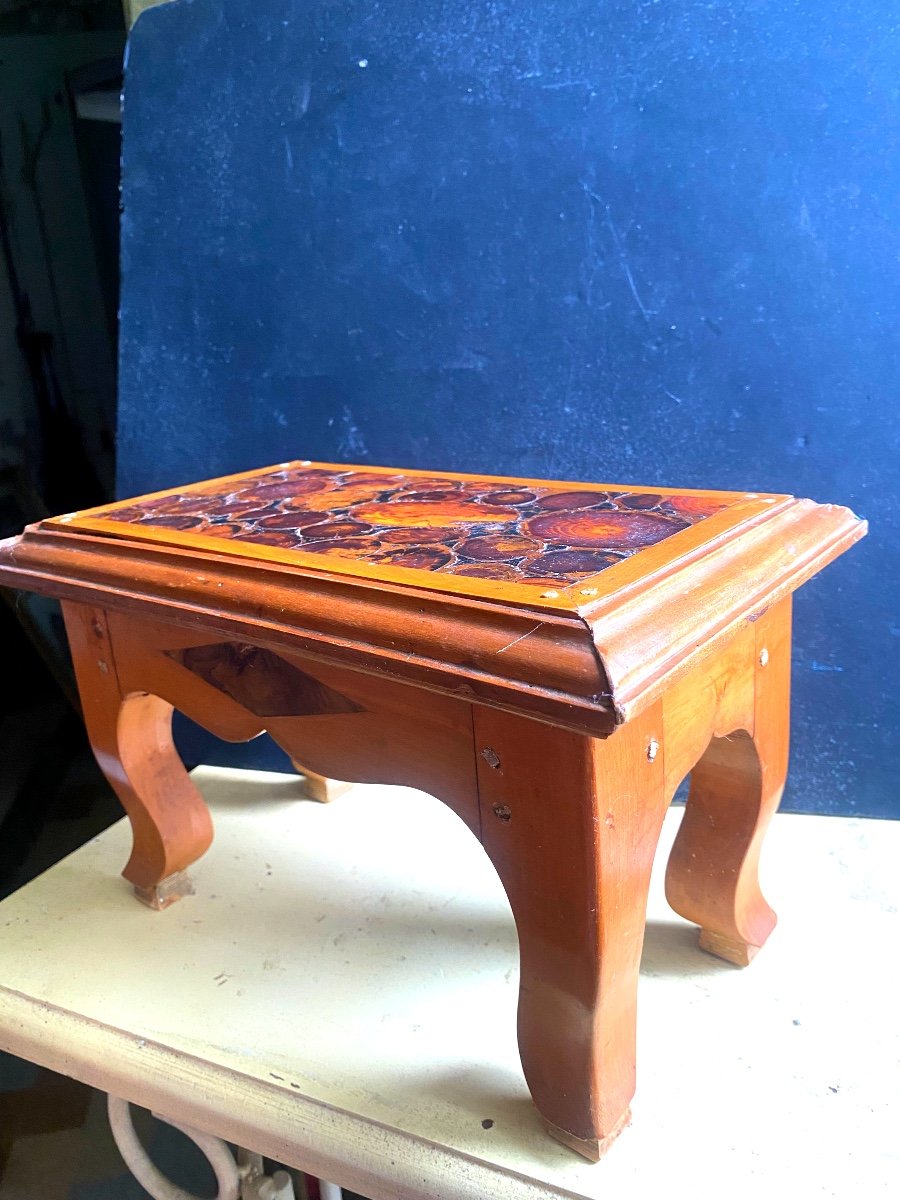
column 649, row 242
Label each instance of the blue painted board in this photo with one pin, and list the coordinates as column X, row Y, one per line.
column 650, row 242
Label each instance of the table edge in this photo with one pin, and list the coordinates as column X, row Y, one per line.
column 354, row 1151
column 652, row 632
column 587, row 666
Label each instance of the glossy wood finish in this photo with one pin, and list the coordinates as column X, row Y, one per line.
column 539, row 535
column 585, row 657
column 278, row 515
column 556, row 722
column 712, row 875
column 131, row 735
column 365, row 729
column 571, row 824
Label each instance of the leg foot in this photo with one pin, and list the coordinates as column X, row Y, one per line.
column 592, row 1149
column 733, row 950
column 166, row 892
column 320, row 787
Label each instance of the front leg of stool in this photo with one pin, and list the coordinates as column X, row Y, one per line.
column 131, row 736
column 712, row 877
column 571, row 824
column 320, row 787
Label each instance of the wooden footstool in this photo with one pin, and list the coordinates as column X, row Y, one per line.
column 549, row 659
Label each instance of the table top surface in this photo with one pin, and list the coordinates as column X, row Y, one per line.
column 575, row 603
column 380, row 522
column 341, row 994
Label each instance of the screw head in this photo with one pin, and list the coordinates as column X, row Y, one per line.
column 652, row 749
column 763, row 656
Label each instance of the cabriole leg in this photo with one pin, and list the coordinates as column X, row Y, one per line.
column 131, row 736
column 571, row 824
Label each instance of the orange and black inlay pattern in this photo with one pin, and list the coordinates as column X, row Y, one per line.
column 546, row 535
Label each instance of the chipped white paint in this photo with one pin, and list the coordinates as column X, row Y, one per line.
column 367, row 1025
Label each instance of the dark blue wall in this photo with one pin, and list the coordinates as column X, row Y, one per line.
column 648, row 242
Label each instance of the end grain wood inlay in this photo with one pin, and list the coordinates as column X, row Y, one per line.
column 539, row 535
column 549, row 659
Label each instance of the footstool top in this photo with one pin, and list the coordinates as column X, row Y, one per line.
column 375, row 522
column 587, row 596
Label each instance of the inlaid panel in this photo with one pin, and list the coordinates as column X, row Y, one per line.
column 540, row 534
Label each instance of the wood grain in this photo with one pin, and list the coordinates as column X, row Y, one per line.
column 536, row 536
column 588, row 664
column 262, row 682
column 557, row 724
column 736, row 787
column 131, row 736
column 382, row 731
column 571, row 824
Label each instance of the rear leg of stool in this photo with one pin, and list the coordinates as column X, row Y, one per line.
column 320, row 787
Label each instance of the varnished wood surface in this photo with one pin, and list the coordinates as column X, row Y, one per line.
column 413, row 473
column 556, row 723
column 699, row 506
column 131, row 736
column 736, row 787
column 366, row 729
column 569, row 821
column 534, row 535
column 587, row 661
column 571, row 825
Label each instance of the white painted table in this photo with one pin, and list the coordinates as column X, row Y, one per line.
column 340, row 996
